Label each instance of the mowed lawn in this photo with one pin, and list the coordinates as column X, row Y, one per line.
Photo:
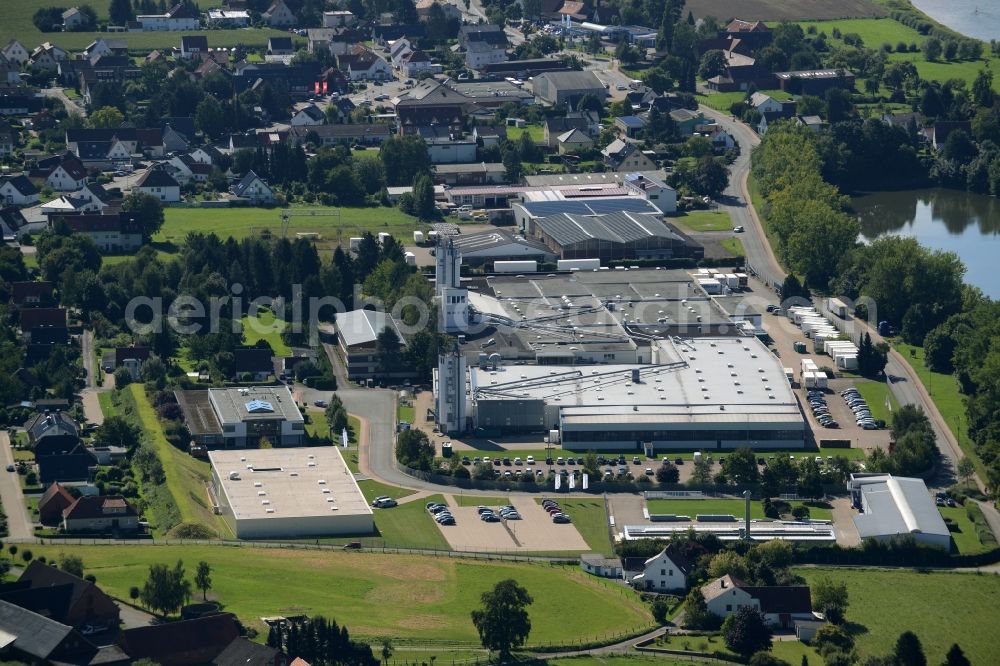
column 17, row 24
column 262, row 326
column 590, row 516
column 187, row 477
column 242, row 222
column 733, row 246
column 875, row 394
column 941, row 608
column 409, row 525
column 374, row 595
column 536, row 132
column 965, row 538
column 724, row 507
column 704, row 220
column 724, row 101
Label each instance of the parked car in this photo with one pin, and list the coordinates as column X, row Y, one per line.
column 561, row 518
column 321, row 403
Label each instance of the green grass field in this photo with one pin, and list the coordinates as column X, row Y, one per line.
column 107, row 407
column 704, row 220
column 242, row 222
column 262, row 326
column 875, row 394
column 790, row 651
column 187, row 477
column 17, row 24
column 590, row 516
column 733, row 246
column 965, row 538
column 724, row 101
column 397, row 596
column 406, row 413
column 727, row 507
column 941, row 608
column 536, row 132
column 372, row 489
column 410, row 526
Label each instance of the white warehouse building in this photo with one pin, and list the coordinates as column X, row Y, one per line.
column 703, row 393
column 894, row 506
column 285, row 493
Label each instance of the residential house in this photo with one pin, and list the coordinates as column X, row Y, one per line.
column 740, row 72
column 667, row 570
column 559, row 125
column 12, row 222
column 630, row 126
column 182, row 643
column 278, row 15
column 447, row 147
column 73, row 19
column 67, row 175
column 357, row 336
column 310, row 114
column 179, row 17
column 185, row 169
column 47, row 56
column 755, row 34
column 385, row 34
column 340, row 18
column 815, row 123
column 52, row 434
column 653, row 190
column 192, row 46
column 31, row 294
column 228, row 18
column 335, row 41
column 768, row 117
column 18, row 191
column 598, row 565
column 131, row 358
column 765, row 103
column 938, row 133
column 256, row 362
column 253, row 187
column 478, row 54
column 33, row 638
column 52, row 503
column 15, row 52
column 103, row 47
column 116, row 232
column 621, row 156
column 573, row 141
column 450, row 11
column 780, row 605
column 19, row 104
column 687, row 120
column 243, row 652
column 430, row 103
column 483, row 32
column 206, row 155
column 398, row 49
column 10, row 73
column 174, row 139
column 361, row 63
column 280, row 46
column 329, row 135
column 720, row 138
column 416, row 63
column 911, row 121
column 160, row 184
column 489, row 136
column 477, row 173
column 8, row 138
column 72, row 467
column 102, row 514
column 299, row 80
column 567, row 87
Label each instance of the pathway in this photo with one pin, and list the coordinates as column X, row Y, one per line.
column 19, row 525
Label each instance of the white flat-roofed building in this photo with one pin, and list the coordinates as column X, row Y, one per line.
column 284, row 493
column 247, row 415
column 894, row 506
column 702, row 393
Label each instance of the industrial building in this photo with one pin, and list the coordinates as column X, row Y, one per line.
column 703, row 393
column 240, row 417
column 894, row 506
column 613, row 236
column 285, row 493
column 490, row 246
column 357, row 338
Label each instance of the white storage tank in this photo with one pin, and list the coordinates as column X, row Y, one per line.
column 355, row 244
column 521, row 266
column 578, row 264
column 418, row 237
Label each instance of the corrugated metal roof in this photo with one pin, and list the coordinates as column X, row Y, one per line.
column 621, row 227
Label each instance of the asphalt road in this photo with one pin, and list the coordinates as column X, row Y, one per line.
column 19, row 526
column 71, row 105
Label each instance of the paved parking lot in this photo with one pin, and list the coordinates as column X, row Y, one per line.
column 534, row 533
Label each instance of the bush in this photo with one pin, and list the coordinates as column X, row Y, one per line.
column 27, row 555
column 800, row 512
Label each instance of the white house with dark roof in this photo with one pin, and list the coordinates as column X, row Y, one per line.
column 15, row 52
column 781, row 605
column 178, row 17
column 310, row 114
column 72, row 19
column 160, row 184
column 18, row 191
column 253, row 187
column 279, row 15
column 662, row 572
column 67, row 176
column 193, row 45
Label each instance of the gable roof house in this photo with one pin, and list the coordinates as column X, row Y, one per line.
column 329, row 135
column 755, row 34
column 104, row 514
column 335, row 41
column 34, row 638
column 278, row 15
column 253, row 187
column 621, row 156
column 73, row 467
column 664, row 571
column 51, row 434
column 44, row 325
column 67, row 175
column 310, row 114
column 88, row 604
column 254, row 361
column 780, row 605
column 72, row 19
column 567, row 87
column 183, row 643
column 18, row 191
column 14, row 51
column 361, row 63
column 430, row 103
column 47, row 56
column 193, row 45
column 384, row 34
column 185, row 169
column 242, row 652
column 573, row 141
column 280, row 46
column 160, row 184
column 416, row 63
column 8, row 138
column 178, row 17
column 12, row 222
column 30, row 294
column 51, row 505
column 687, row 120
column 110, row 232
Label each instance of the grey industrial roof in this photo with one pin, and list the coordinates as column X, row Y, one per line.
column 359, row 327
column 897, row 505
column 233, row 405
column 567, row 229
column 470, row 244
column 35, row 635
column 573, row 80
column 539, row 209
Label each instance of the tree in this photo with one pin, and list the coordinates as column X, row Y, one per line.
column 830, row 639
column 702, row 474
column 117, row 431
column 668, row 473
column 423, row 197
column 386, row 650
column 120, row 12
column 746, row 631
column 696, row 613
column 966, row 469
column 932, row 49
column 712, row 64
column 48, row 19
column 768, row 659
column 503, row 622
column 728, row 563
column 982, row 89
column 741, row 466
column 107, row 117
column 203, row 578
column 414, row 449
column 166, row 589
column 956, row 657
column 148, row 212
column 909, row 651
column 71, row 564
column 829, row 598
column 210, row 118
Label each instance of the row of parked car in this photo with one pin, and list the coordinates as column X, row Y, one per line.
column 817, row 402
column 441, row 513
column 552, row 508
column 862, row 413
column 506, row 512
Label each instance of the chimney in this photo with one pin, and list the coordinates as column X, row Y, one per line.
column 722, row 581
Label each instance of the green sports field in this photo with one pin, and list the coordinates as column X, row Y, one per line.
column 941, row 608
column 374, row 595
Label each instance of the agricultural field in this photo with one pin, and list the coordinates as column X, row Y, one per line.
column 791, row 10
column 242, row 222
column 941, row 608
column 704, row 220
column 17, row 24
column 375, row 595
column 734, row 507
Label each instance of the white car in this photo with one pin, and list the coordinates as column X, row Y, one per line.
column 530, row 460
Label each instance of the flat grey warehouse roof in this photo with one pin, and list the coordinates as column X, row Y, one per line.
column 234, row 405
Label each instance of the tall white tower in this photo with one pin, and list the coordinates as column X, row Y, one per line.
column 453, row 300
column 451, row 391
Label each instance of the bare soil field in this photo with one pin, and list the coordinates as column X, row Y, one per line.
column 792, row 10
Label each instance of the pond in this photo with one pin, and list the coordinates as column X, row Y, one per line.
column 960, row 222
